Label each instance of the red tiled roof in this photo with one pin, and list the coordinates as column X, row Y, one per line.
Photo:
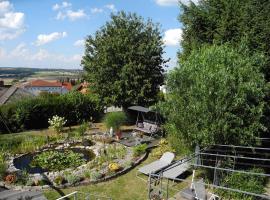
column 67, row 85
column 42, row 83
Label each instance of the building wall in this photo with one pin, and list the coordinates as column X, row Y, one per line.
column 36, row 90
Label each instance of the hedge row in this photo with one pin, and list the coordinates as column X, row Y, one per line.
column 34, row 113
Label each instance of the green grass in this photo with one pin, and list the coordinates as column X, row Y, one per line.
column 124, row 187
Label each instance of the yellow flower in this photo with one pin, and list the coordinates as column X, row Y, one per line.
column 114, row 167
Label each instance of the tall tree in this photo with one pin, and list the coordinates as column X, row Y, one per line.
column 215, row 97
column 123, row 61
column 227, row 21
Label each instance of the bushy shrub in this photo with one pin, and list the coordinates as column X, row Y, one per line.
column 3, row 166
column 114, row 120
column 87, row 174
column 34, row 113
column 139, row 149
column 57, row 123
column 23, row 177
column 82, row 129
column 3, row 170
column 216, row 96
column 245, row 182
column 59, row 180
column 72, row 179
column 163, row 147
column 96, row 175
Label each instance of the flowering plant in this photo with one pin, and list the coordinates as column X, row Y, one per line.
column 57, row 123
column 114, row 167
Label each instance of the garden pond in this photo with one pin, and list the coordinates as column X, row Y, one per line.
column 25, row 162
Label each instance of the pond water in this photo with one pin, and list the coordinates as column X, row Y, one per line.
column 23, row 162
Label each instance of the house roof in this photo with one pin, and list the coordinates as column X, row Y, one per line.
column 67, row 85
column 42, row 83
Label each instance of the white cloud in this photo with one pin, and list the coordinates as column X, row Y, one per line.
column 79, row 43
column 74, row 15
column 111, row 7
column 61, row 6
column 96, row 10
column 44, row 39
column 71, row 15
column 11, row 22
column 174, row 2
column 65, row 11
column 172, row 37
column 21, row 55
column 5, row 7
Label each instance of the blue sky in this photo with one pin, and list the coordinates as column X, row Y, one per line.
column 50, row 33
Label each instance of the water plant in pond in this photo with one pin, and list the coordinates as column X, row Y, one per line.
column 58, row 160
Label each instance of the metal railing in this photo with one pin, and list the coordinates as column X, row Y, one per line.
column 83, row 196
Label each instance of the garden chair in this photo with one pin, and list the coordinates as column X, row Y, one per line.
column 158, row 165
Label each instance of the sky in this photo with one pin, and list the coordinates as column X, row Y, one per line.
column 51, row 33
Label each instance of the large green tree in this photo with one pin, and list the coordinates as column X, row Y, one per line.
column 227, row 21
column 215, row 97
column 123, row 61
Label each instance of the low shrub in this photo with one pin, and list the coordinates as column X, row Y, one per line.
column 3, row 170
column 163, row 147
column 115, row 120
column 87, row 174
column 59, row 180
column 139, row 149
column 72, row 179
column 23, row 177
column 3, row 165
column 95, row 175
column 82, row 129
column 244, row 182
column 128, row 164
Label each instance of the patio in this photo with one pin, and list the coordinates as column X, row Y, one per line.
column 130, row 139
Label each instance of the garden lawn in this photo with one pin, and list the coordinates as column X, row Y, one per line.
column 124, row 187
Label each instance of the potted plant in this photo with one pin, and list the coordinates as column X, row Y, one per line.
column 115, row 120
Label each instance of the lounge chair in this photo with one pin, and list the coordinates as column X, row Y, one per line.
column 158, row 165
column 176, row 170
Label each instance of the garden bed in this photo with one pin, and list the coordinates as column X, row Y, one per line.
column 111, row 161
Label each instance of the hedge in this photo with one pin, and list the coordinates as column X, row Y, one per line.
column 34, row 113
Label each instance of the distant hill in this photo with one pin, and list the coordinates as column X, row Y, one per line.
column 19, row 73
